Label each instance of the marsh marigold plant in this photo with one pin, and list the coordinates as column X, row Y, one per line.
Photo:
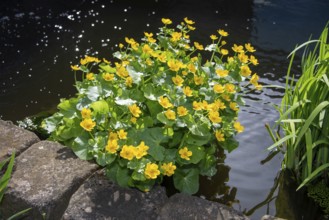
column 160, row 109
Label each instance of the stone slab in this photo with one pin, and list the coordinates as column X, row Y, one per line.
column 184, row 207
column 46, row 176
column 100, row 199
column 14, row 138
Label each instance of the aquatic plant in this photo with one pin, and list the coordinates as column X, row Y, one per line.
column 159, row 110
column 304, row 116
column 4, row 180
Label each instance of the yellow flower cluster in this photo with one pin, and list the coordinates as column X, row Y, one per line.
column 130, row 152
column 87, row 123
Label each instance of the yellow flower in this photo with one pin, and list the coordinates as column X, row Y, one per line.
column 198, row 80
column 166, row 21
column 187, row 21
column 141, row 150
column 219, row 88
column 213, row 37
column 177, row 80
column 112, row 146
column 148, row 34
column 133, row 120
column 86, row 113
column 122, row 134
column 182, row 111
column 127, row 152
column 223, row 42
column 108, row 76
column 88, row 124
column 234, row 106
column 113, row 136
column 219, row 104
column 222, row 33
column 205, row 105
column 75, row 67
column 253, row 60
column 162, row 57
column 130, row 40
column 222, row 73
column 121, row 71
column 254, row 79
column 197, row 106
column 226, row 97
column 190, row 27
column 238, row 127
column 121, row 45
column 230, row 59
column 219, row 136
column 245, row 71
column 191, row 67
column 151, row 40
column 198, row 46
column 147, row 49
column 243, row 58
column 249, row 48
column 174, row 65
column 135, row 110
column 188, row 91
column 237, row 49
column 230, row 88
column 151, row 171
column 176, row 36
column 164, row 102
column 106, row 61
column 170, row 114
column 258, row 86
column 90, row 76
column 224, row 51
column 214, row 117
column 168, row 169
column 129, row 81
column 185, row 153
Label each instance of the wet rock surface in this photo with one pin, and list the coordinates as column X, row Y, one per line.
column 13, row 138
column 45, row 177
column 98, row 198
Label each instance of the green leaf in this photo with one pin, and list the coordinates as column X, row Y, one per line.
column 107, row 68
column 70, row 129
column 187, row 180
column 50, row 123
column 197, row 140
column 151, row 92
column 153, row 137
column 104, row 159
column 154, row 107
column 93, row 92
column 162, row 118
column 5, row 178
column 123, row 177
column 170, row 155
column 230, row 144
column 199, row 129
column 81, row 148
column 100, row 107
column 68, row 107
column 197, row 154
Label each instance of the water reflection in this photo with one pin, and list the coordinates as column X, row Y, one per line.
column 41, row 39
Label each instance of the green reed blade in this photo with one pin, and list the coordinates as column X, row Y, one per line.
column 309, row 155
column 313, row 175
column 5, row 178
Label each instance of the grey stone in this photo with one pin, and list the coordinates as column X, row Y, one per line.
column 14, row 138
column 45, row 177
column 184, row 207
column 100, row 199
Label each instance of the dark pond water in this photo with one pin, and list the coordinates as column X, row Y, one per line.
column 40, row 39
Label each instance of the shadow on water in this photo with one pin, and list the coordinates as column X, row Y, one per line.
column 40, row 40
